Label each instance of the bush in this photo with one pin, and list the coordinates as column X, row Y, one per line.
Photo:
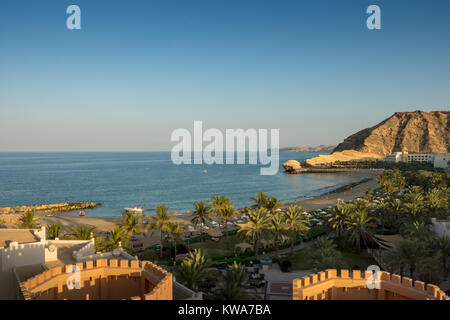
column 285, row 265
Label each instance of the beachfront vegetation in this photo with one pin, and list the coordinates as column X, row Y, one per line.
column 81, row 232
column 257, row 227
column 201, row 215
column 193, row 269
column 28, row 221
column 132, row 223
column 235, row 284
column 53, row 230
column 162, row 222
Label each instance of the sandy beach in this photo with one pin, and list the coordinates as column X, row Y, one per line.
column 107, row 224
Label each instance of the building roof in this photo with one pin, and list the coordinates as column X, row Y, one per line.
column 16, row 235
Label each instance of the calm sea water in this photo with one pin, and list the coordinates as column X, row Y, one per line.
column 123, row 179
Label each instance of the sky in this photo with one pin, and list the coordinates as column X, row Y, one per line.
column 137, row 70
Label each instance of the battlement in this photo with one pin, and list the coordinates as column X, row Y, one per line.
column 330, row 286
column 150, row 281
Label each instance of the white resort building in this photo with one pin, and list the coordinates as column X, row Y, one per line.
column 439, row 160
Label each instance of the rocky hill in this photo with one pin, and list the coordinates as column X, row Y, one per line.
column 321, row 148
column 416, row 131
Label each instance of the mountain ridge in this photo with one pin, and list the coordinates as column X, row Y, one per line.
column 415, row 132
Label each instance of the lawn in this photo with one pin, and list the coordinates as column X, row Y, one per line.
column 302, row 260
column 217, row 248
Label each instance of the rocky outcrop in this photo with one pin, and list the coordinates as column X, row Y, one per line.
column 293, row 166
column 415, row 132
column 56, row 207
column 347, row 155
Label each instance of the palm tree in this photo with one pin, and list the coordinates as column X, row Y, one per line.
column 81, row 232
column 28, row 221
column 220, row 201
column 256, row 228
column 409, row 252
column 437, row 202
column 360, row 224
column 161, row 221
column 338, row 216
column 414, row 201
column 235, row 283
column 193, row 269
column 260, row 199
column 200, row 215
column 117, row 238
column 417, row 230
column 279, row 230
column 443, row 248
column 296, row 223
column 227, row 213
column 176, row 233
column 53, row 230
column 326, row 255
column 132, row 223
column 272, row 204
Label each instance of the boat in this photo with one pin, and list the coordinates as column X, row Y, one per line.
column 81, row 213
column 205, row 171
column 136, row 209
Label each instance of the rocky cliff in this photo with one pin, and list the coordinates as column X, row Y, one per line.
column 416, row 131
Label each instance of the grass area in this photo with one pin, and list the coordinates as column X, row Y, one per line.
column 302, row 260
column 217, row 248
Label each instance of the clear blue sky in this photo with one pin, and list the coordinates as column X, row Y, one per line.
column 139, row 69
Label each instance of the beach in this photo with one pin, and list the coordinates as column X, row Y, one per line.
column 347, row 192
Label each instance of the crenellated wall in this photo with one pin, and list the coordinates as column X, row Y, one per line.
column 102, row 280
column 328, row 285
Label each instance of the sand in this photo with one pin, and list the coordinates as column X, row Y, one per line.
column 107, row 224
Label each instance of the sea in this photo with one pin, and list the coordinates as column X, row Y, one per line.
column 124, row 179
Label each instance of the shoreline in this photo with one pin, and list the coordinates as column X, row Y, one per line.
column 346, row 192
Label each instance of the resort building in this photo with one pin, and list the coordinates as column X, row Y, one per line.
column 439, row 160
column 441, row 227
column 33, row 267
column 394, row 157
column 442, row 160
column 328, row 285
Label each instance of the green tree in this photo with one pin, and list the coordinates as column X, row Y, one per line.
column 359, row 224
column 118, row 238
column 326, row 255
column 235, row 284
column 219, row 202
column 81, row 232
column 279, row 230
column 296, row 223
column 227, row 214
column 260, row 199
column 176, row 234
column 53, row 231
column 442, row 246
column 410, row 253
column 272, row 204
column 338, row 217
column 28, row 221
column 132, row 223
column 193, row 269
column 201, row 215
column 161, row 222
column 256, row 228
